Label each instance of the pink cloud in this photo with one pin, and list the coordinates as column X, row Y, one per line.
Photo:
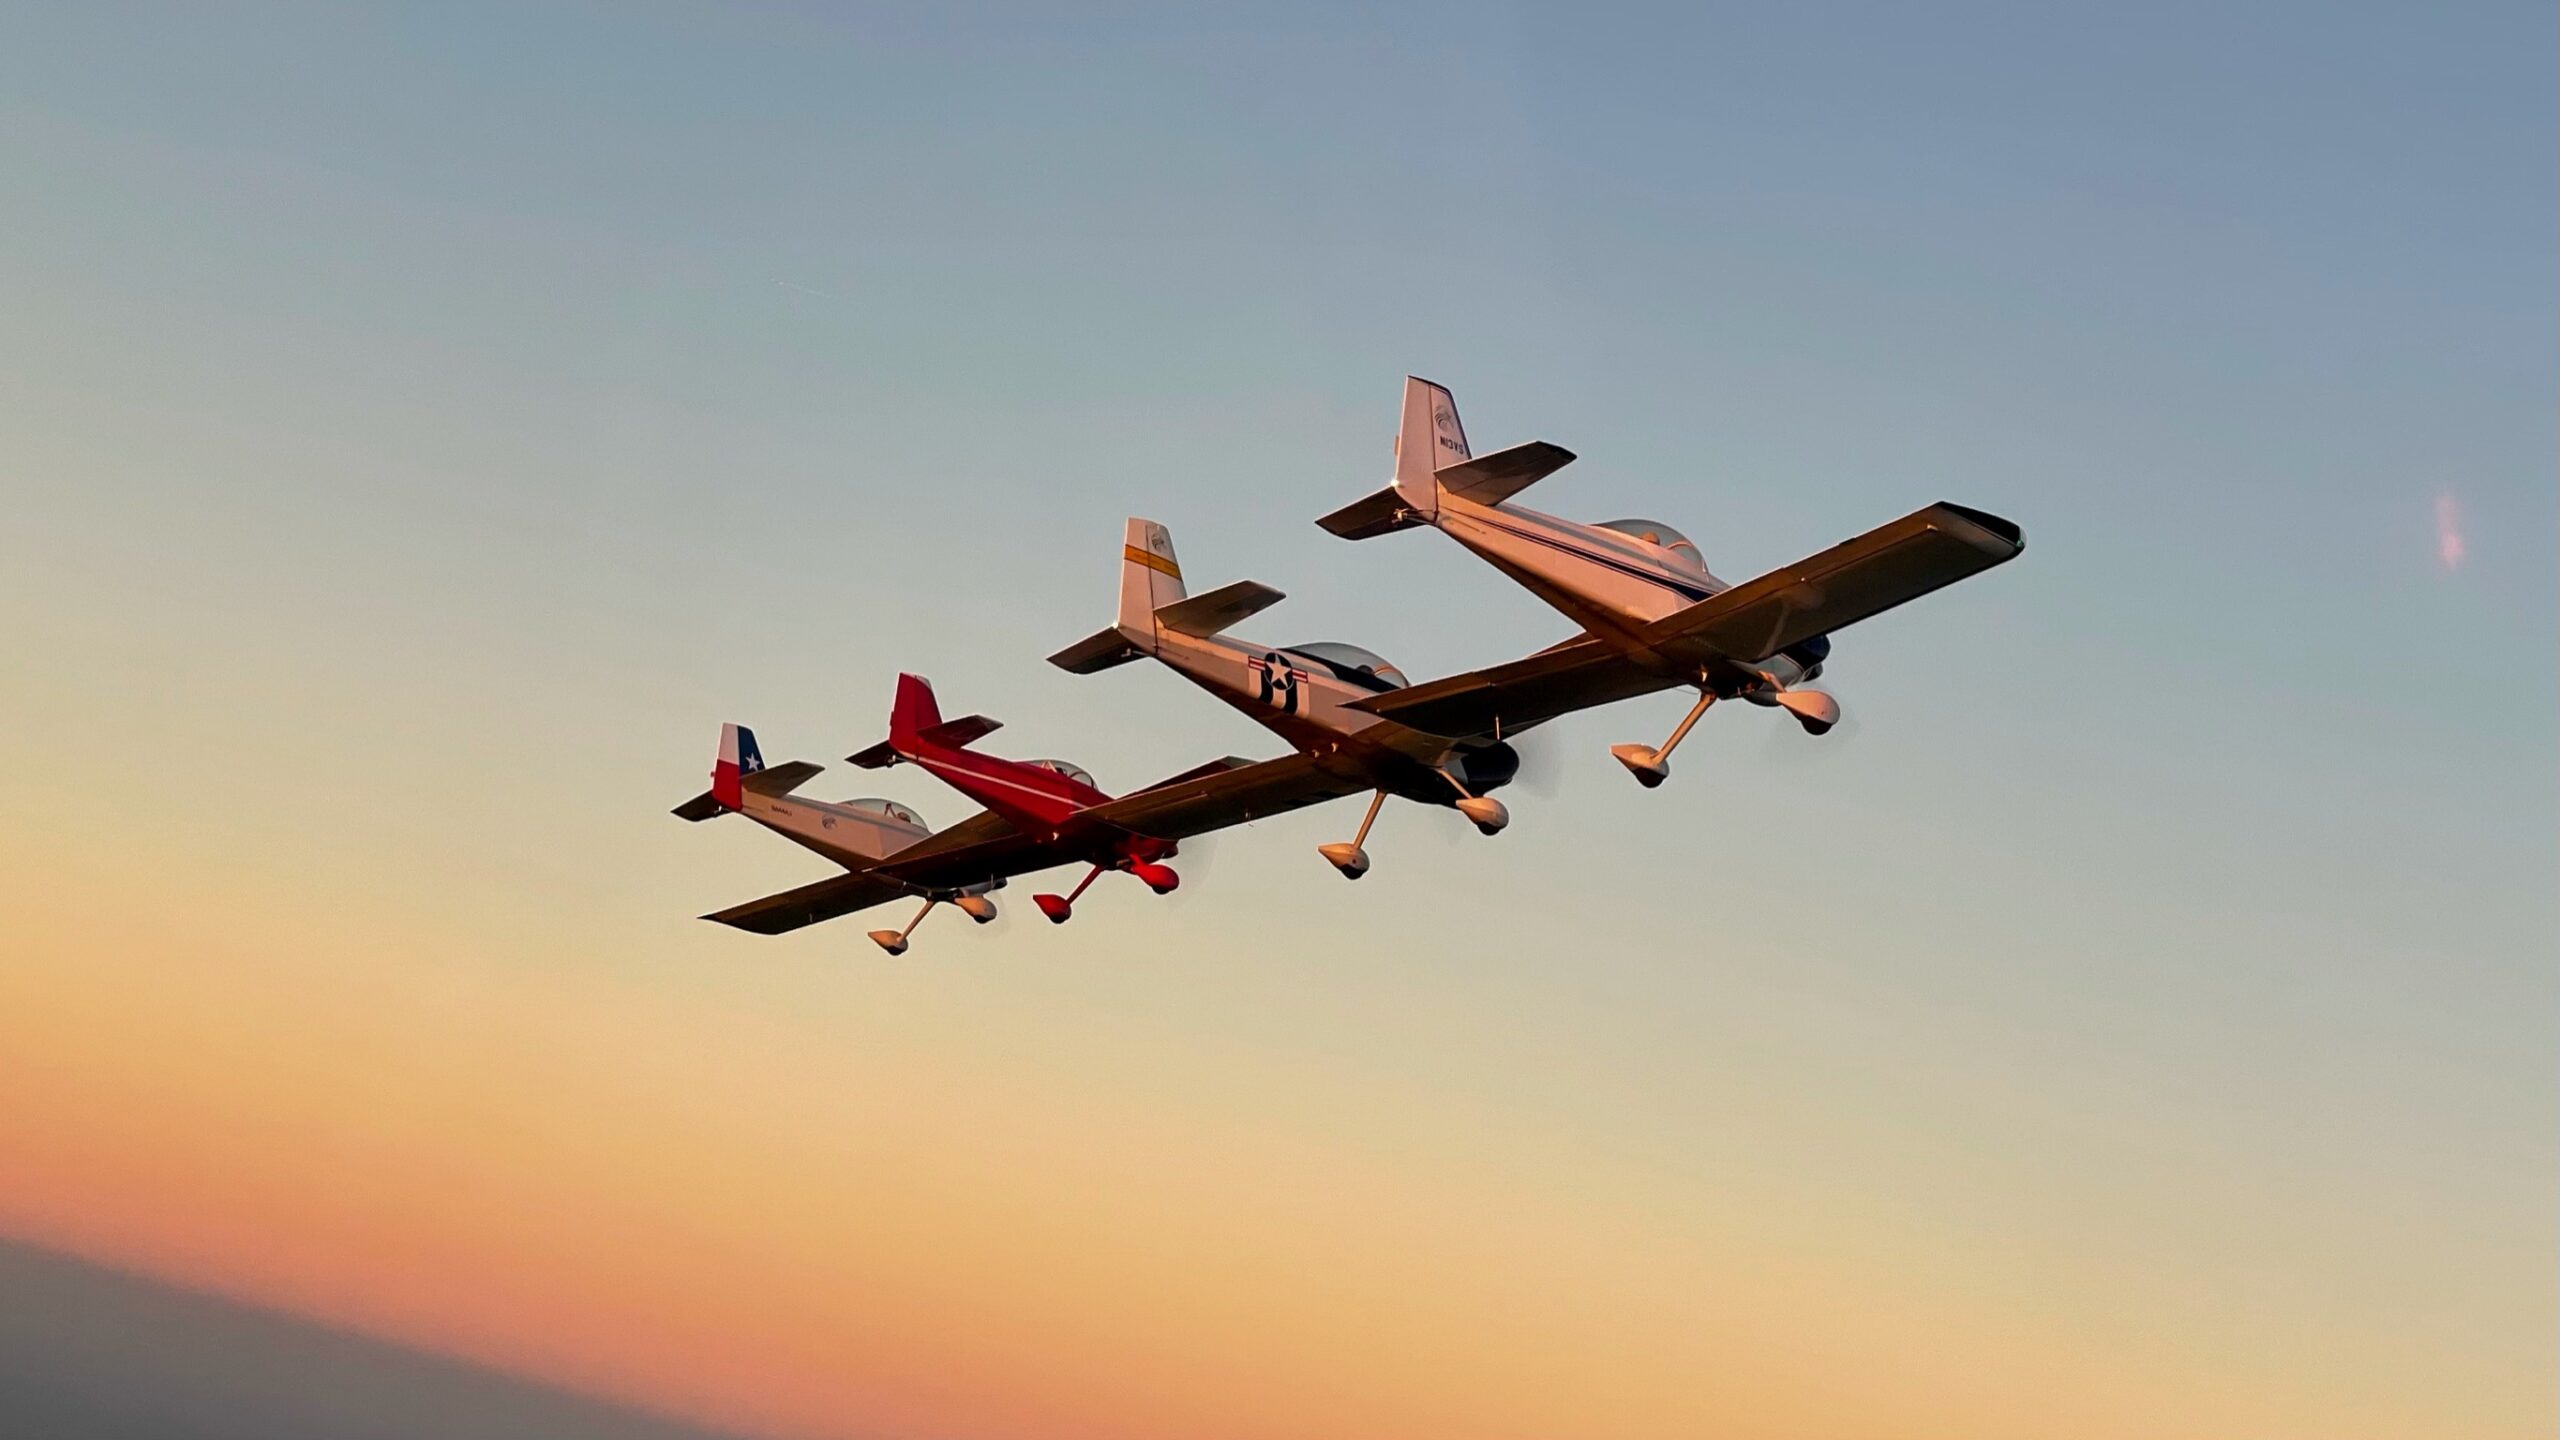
column 2448, row 531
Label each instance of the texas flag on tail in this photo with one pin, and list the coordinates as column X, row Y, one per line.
column 739, row 758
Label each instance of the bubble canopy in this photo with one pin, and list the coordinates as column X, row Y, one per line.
column 890, row 808
column 1654, row 532
column 1349, row 662
column 1077, row 773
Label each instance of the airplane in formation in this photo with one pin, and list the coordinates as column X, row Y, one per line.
column 1307, row 694
column 1653, row 618
column 1039, row 814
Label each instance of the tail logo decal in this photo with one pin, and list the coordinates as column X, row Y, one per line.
column 1452, row 439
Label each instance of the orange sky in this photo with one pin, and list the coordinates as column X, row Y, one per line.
column 709, row 1208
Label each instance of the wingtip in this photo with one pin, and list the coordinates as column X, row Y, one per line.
column 1999, row 525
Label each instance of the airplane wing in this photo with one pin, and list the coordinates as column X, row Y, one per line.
column 1575, row 675
column 1227, row 792
column 1923, row 551
column 1850, row 582
column 979, row 830
column 984, row 847
column 822, row 900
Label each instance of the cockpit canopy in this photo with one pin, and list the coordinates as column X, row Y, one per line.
column 1077, row 773
column 1365, row 668
column 889, row 808
column 1654, row 532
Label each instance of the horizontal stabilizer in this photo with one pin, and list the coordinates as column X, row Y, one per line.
column 779, row 779
column 704, row 806
column 1378, row 514
column 1929, row 548
column 876, row 757
column 1209, row 613
column 1492, row 479
column 960, row 732
column 1098, row 651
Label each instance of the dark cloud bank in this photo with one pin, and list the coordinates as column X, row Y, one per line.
column 92, row 1354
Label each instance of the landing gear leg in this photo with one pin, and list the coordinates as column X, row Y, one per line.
column 1350, row 859
column 1059, row 907
column 1486, row 811
column 895, row 941
column 1650, row 766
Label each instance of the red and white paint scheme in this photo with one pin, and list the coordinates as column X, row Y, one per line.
column 1039, row 814
column 1653, row 617
column 1037, row 797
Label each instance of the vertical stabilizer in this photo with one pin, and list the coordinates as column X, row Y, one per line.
column 738, row 759
column 913, row 713
column 1150, row 578
column 1430, row 440
column 910, row 715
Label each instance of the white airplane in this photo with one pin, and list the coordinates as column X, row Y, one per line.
column 1652, row 615
column 1307, row 694
column 1040, row 813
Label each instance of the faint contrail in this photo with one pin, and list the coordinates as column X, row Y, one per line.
column 805, row 290
column 2448, row 530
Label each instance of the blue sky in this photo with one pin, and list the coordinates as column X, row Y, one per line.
column 451, row 414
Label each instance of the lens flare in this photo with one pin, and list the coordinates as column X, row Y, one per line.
column 2449, row 547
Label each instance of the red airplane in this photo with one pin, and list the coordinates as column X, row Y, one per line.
column 1039, row 813
column 1047, row 799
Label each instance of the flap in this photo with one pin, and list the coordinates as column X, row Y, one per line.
column 1215, row 610
column 1492, row 479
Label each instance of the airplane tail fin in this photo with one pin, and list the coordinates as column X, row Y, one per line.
column 912, row 714
column 1428, row 440
column 1150, row 579
column 738, row 758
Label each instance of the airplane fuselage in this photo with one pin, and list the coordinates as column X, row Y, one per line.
column 1306, row 701
column 1032, row 797
column 854, row 837
column 1613, row 584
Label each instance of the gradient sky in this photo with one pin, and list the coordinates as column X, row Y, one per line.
column 420, row 428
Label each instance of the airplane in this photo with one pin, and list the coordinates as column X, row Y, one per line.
column 1305, row 693
column 1040, row 813
column 1653, row 618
